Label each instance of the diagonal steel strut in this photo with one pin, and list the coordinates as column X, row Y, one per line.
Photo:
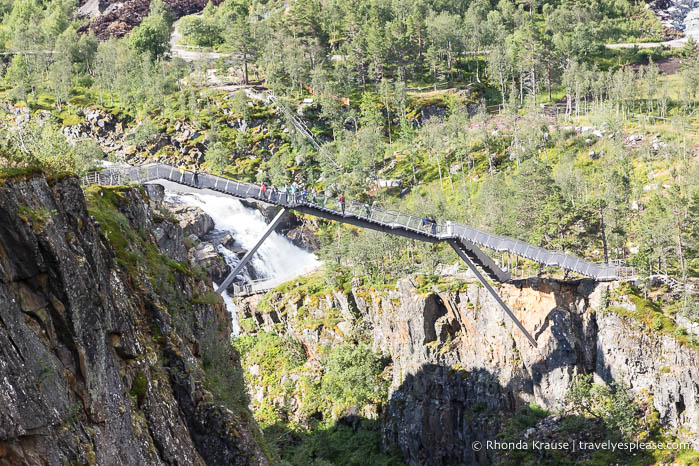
column 491, row 290
column 243, row 262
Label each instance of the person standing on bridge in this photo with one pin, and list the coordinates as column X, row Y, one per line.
column 196, row 178
column 293, row 192
column 263, row 189
column 181, row 175
column 342, row 203
column 286, row 193
column 367, row 210
column 314, row 195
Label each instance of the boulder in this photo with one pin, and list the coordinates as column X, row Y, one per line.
column 304, row 238
column 193, row 220
column 206, row 256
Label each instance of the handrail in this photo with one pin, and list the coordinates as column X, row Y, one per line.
column 420, row 227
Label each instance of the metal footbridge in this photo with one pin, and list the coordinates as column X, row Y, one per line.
column 254, row 287
column 465, row 240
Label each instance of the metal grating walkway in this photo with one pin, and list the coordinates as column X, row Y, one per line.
column 469, row 239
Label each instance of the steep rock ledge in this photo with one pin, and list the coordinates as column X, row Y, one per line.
column 104, row 339
column 455, row 351
column 456, row 357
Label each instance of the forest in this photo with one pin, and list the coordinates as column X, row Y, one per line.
column 512, row 115
column 519, row 117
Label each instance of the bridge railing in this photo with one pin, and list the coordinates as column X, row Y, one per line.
column 535, row 253
column 392, row 219
column 111, row 178
column 257, row 286
column 241, row 189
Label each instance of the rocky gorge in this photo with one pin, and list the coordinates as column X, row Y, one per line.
column 113, row 347
column 457, row 367
column 455, row 370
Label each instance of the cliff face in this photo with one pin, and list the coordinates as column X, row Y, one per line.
column 106, row 342
column 454, row 353
column 457, row 359
column 654, row 365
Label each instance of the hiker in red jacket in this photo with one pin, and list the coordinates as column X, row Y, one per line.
column 342, row 203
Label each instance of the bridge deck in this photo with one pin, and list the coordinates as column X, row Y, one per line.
column 386, row 221
column 255, row 287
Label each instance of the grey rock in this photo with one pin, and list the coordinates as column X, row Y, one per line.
column 94, row 367
column 206, row 256
column 193, row 220
column 304, row 238
column 268, row 211
column 455, row 354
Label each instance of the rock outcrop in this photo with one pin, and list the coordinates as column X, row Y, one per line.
column 299, row 230
column 479, row 358
column 106, row 339
column 193, row 220
column 455, row 355
column 115, row 18
column 206, row 256
column 177, row 145
column 673, row 14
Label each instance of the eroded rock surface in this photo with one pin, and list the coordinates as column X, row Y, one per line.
column 456, row 358
column 100, row 351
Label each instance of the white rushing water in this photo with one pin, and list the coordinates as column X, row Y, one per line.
column 278, row 258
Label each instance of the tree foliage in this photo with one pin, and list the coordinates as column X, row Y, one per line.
column 609, row 404
column 153, row 34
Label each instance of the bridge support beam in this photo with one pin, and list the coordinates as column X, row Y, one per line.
column 243, row 262
column 492, row 291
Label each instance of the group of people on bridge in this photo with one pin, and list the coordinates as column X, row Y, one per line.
column 294, row 193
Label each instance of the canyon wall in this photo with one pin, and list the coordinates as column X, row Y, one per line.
column 456, row 359
column 109, row 339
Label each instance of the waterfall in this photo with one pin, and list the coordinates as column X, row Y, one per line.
column 230, row 305
column 277, row 258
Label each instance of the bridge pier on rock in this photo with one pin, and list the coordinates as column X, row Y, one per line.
column 460, row 252
column 243, row 262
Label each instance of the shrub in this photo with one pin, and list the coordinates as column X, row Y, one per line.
column 145, row 133
column 223, row 375
column 153, row 34
column 657, row 324
column 201, row 31
column 690, row 308
column 217, row 157
column 139, row 384
column 354, row 376
column 610, row 404
column 41, row 144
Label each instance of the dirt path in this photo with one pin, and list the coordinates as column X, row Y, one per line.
column 189, row 53
column 676, row 43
